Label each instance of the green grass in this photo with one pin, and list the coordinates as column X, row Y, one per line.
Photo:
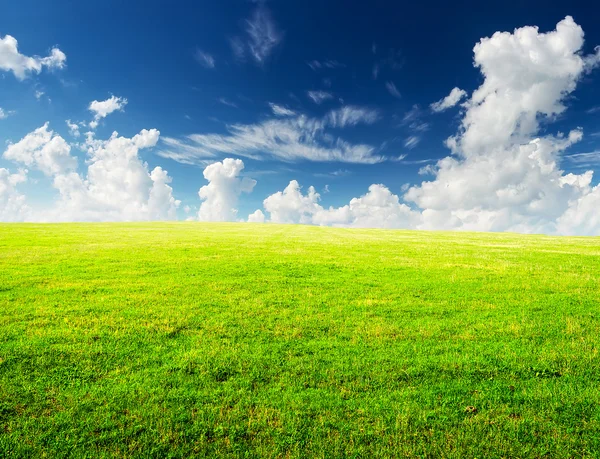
column 236, row 340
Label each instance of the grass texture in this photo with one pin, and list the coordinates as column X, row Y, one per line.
column 176, row 340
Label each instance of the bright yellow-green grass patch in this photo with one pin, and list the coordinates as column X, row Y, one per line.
column 239, row 340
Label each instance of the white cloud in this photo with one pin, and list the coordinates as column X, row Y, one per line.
column 589, row 159
column 291, row 206
column 117, row 187
column 256, row 217
column 220, row 196
column 263, row 36
column 392, row 89
column 44, row 150
column 5, row 114
column 205, row 59
column 289, row 139
column 351, row 116
column 503, row 176
column 278, row 110
column 319, row 97
column 11, row 60
column 411, row 142
column 375, row 71
column 328, row 64
column 13, row 206
column 39, row 94
column 377, row 208
column 449, row 101
column 101, row 109
column 73, row 128
column 227, row 102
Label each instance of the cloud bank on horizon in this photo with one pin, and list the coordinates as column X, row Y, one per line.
column 503, row 172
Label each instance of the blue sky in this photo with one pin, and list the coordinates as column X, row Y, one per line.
column 199, row 68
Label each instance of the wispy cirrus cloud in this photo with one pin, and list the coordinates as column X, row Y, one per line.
column 327, row 64
column 393, row 61
column 589, row 159
column 262, row 37
column 351, row 116
column 279, row 110
column 227, row 102
column 318, row 97
column 392, row 89
column 412, row 141
column 204, row 59
column 289, row 139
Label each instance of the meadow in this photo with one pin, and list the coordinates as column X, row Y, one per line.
column 238, row 340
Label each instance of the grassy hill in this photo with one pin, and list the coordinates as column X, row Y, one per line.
column 238, row 340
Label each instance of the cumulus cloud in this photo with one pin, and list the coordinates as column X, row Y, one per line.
column 44, row 150
column 503, row 176
column 291, row 138
column 279, row 110
column 220, row 196
column 256, row 217
column 318, row 97
column 13, row 206
column 455, row 96
column 101, row 109
column 379, row 208
column 117, row 187
column 11, row 60
column 73, row 128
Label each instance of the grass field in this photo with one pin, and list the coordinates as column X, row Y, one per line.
column 238, row 340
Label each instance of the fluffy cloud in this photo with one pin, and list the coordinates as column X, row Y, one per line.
column 11, row 60
column 101, row 109
column 117, row 186
column 291, row 206
column 289, row 139
column 220, row 196
column 449, row 101
column 503, row 176
column 44, row 150
column 256, row 217
column 378, row 208
column 5, row 114
column 73, row 128
column 13, row 207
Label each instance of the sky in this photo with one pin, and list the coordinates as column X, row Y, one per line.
column 439, row 115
